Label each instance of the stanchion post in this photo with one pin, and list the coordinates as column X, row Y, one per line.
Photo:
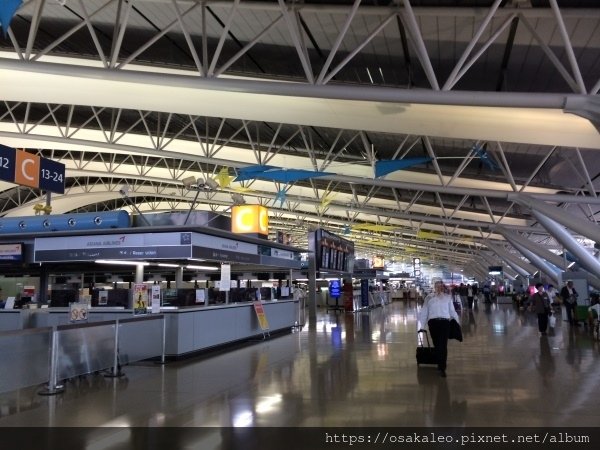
column 116, row 368
column 164, row 339
column 53, row 386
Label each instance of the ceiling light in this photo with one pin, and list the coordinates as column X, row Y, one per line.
column 124, row 263
column 238, row 199
column 211, row 184
column 202, row 267
column 167, row 265
column 188, row 182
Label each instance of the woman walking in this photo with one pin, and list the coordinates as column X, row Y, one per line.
column 437, row 311
column 541, row 306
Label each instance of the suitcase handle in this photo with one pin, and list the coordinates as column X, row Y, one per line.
column 421, row 339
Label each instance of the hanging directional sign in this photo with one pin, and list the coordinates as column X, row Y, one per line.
column 27, row 169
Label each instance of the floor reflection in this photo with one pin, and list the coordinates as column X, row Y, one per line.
column 349, row 369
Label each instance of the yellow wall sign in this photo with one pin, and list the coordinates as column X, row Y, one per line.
column 250, row 219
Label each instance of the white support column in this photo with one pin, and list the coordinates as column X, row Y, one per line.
column 583, row 227
column 139, row 273
column 509, row 271
column 585, row 259
column 546, row 268
column 532, row 246
column 178, row 277
column 518, row 270
column 515, row 260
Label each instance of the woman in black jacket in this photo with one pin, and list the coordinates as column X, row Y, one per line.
column 541, row 306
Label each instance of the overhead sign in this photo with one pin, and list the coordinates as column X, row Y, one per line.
column 17, row 166
column 113, row 246
column 11, row 252
column 250, row 219
column 495, row 270
column 416, row 267
column 378, row 262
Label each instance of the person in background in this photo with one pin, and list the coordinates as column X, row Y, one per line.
column 569, row 296
column 462, row 292
column 437, row 311
column 552, row 294
column 486, row 293
column 541, row 306
column 470, row 295
column 594, row 316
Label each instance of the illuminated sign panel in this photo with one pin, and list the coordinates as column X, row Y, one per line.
column 17, row 166
column 378, row 262
column 11, row 252
column 417, row 267
column 250, row 219
column 495, row 270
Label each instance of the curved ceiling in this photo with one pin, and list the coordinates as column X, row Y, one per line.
column 499, row 96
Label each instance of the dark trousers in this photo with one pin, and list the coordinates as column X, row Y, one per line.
column 570, row 307
column 543, row 322
column 439, row 329
column 470, row 302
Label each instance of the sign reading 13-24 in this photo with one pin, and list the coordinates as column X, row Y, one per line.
column 24, row 168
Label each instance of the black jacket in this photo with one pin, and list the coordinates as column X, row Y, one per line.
column 455, row 331
column 564, row 294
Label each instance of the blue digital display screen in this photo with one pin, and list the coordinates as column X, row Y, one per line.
column 335, row 288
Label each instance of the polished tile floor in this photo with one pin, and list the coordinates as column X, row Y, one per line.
column 348, row 370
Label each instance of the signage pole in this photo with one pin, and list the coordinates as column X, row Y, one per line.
column 48, row 203
column 139, row 273
column 53, row 386
column 312, row 291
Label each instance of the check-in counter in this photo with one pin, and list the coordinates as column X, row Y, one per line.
column 194, row 329
column 15, row 319
column 18, row 319
column 187, row 329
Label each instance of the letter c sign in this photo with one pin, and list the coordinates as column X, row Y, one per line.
column 250, row 219
column 27, row 169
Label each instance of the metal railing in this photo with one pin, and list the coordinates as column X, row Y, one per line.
column 50, row 355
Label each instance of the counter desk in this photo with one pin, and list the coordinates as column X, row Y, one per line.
column 192, row 329
column 188, row 329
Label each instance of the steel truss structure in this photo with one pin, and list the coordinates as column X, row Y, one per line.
column 502, row 100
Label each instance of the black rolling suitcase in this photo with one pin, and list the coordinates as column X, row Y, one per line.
column 425, row 354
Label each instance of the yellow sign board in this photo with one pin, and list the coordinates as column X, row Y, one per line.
column 250, row 219
column 261, row 316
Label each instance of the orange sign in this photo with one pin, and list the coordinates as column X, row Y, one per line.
column 378, row 262
column 261, row 316
column 247, row 219
column 27, row 170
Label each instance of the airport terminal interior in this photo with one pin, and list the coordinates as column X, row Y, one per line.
column 351, row 370
column 178, row 179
